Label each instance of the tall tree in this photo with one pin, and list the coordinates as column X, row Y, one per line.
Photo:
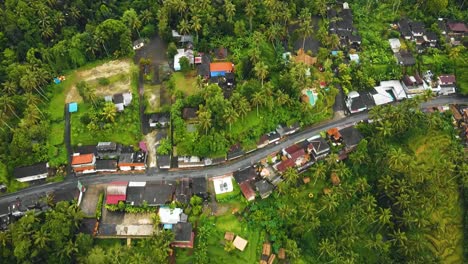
column 250, row 12
column 261, row 70
column 305, row 25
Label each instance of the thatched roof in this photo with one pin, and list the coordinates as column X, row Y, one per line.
column 335, row 179
column 304, row 58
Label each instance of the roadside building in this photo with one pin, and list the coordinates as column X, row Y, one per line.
column 83, row 164
column 351, row 138
column 106, row 165
column 199, row 187
column 31, row 173
column 184, row 236
column 319, row 148
column 264, row 188
column 247, row 191
column 116, row 192
column 447, row 84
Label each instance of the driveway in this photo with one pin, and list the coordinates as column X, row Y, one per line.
column 90, row 198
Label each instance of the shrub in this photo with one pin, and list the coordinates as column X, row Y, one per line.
column 103, row 81
column 171, row 50
column 99, row 206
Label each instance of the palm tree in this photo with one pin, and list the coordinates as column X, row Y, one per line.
column 333, row 41
column 100, row 39
column 261, row 70
column 291, row 176
column 74, row 12
column 230, row 115
column 4, row 118
column 243, row 106
column 40, row 239
column 327, row 247
column 196, row 25
column 109, row 112
column 204, row 116
column 319, row 171
column 329, row 202
column 199, row 82
column 282, row 98
column 230, row 10
column 146, row 16
column 399, row 238
column 179, row 5
column 257, row 100
column 184, row 27
column 384, row 216
column 9, row 87
column 250, row 12
column 7, row 105
column 305, row 24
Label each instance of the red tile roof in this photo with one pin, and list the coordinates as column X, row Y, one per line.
column 289, row 163
column 297, row 154
column 80, row 169
column 447, row 79
column 458, row 27
column 221, row 66
column 247, row 191
column 291, row 149
column 82, row 159
column 119, row 183
column 334, row 132
column 115, row 198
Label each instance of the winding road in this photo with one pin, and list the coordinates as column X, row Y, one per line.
column 225, row 168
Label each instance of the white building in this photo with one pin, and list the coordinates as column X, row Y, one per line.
column 388, row 91
column 395, row 44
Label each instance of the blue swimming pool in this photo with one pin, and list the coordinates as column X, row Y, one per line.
column 312, row 97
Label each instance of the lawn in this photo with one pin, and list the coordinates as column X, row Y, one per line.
column 125, row 130
column 229, row 222
column 183, row 256
column 185, row 82
column 224, row 197
column 157, row 99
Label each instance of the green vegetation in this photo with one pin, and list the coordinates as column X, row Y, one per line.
column 185, row 82
column 98, row 121
column 235, row 194
column 99, row 206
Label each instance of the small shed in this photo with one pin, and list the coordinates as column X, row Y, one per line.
column 271, row 259
column 281, row 253
column 229, row 236
column 266, row 250
column 240, row 243
column 335, row 179
column 72, row 107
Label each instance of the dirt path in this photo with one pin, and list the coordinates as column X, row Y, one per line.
column 150, row 140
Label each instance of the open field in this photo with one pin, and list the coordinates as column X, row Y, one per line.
column 185, row 83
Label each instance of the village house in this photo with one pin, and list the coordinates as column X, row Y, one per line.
column 264, row 188
column 457, row 30
column 388, row 91
column 351, row 138
column 163, row 161
column 83, row 164
column 199, row 187
column 245, row 175
column 447, row 84
column 221, row 68
column 395, row 44
column 189, row 162
column 183, row 53
column 405, row 58
column 31, row 173
column 116, row 192
column 132, row 161
column 284, row 130
column 107, row 150
column 235, row 151
column 169, row 216
column 355, row 102
column 106, row 165
column 184, row 236
column 414, row 85
column 318, row 147
column 273, row 137
column 159, row 120
column 121, row 100
column 263, row 141
column 247, row 191
column 158, row 194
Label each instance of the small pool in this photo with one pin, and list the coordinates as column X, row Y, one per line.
column 312, row 97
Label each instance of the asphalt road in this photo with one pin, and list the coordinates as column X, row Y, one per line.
column 218, row 170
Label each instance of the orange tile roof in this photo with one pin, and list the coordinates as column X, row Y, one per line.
column 80, row 169
column 221, row 66
column 82, row 159
column 304, row 58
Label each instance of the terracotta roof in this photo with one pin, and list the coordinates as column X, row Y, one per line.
column 457, row 26
column 266, row 250
column 334, row 132
column 221, row 66
column 247, row 191
column 281, row 253
column 304, row 58
column 82, row 159
column 229, row 236
column 447, row 78
column 291, row 149
column 289, row 163
column 297, row 154
column 80, row 169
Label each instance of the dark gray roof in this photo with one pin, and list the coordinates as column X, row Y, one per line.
column 182, row 191
column 135, row 194
column 247, row 174
column 106, row 146
column 118, row 98
column 158, row 193
column 189, row 113
column 272, row 136
column 405, row 58
column 431, row 36
column 235, row 151
column 417, row 26
column 160, row 117
column 198, row 185
column 357, row 103
column 320, row 145
column 88, row 149
column 351, row 136
column 106, row 164
column 26, row 171
column 183, row 232
column 126, row 158
column 163, row 160
column 264, row 187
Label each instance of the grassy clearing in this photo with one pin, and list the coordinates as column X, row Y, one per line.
column 224, row 197
column 183, row 256
column 156, row 99
column 185, row 83
column 125, row 130
column 108, row 242
column 230, row 222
